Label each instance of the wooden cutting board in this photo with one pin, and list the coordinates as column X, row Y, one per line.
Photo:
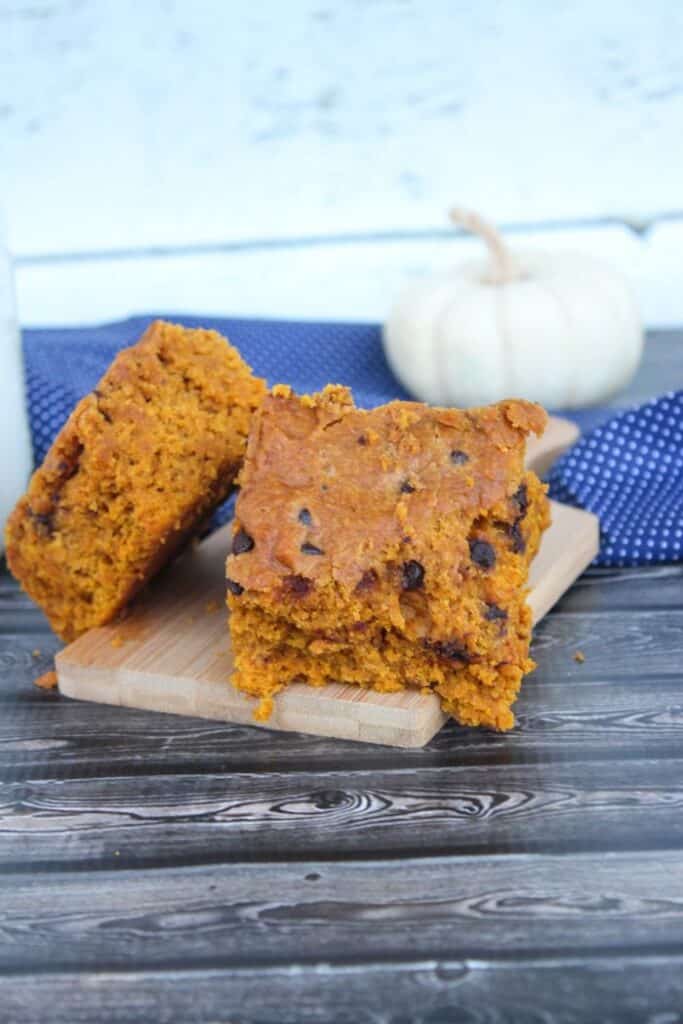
column 172, row 652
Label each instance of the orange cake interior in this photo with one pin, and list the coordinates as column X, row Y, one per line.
column 136, row 469
column 387, row 548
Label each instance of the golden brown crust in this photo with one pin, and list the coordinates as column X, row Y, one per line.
column 387, row 548
column 348, row 466
column 138, row 466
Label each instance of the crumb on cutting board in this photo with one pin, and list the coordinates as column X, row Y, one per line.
column 212, row 606
column 48, row 680
column 580, row 657
column 117, row 640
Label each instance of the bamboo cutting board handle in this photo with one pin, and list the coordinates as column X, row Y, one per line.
column 543, row 451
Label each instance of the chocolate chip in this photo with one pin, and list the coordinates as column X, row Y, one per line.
column 299, row 585
column 305, row 517
column 412, row 575
column 517, row 538
column 482, row 554
column 99, row 396
column 242, row 542
column 367, row 581
column 310, row 549
column 362, row 439
column 494, row 613
column 521, row 498
column 459, row 458
column 407, row 488
column 234, row 587
column 69, row 467
column 44, row 521
column 452, row 650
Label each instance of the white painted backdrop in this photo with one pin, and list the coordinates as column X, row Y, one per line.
column 297, row 157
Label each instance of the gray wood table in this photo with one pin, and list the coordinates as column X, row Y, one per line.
column 158, row 868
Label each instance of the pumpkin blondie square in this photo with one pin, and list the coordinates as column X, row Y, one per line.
column 387, row 548
column 136, row 469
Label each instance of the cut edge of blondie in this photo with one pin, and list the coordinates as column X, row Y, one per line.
column 138, row 467
column 379, row 633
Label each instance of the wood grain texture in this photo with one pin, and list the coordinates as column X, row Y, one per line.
column 141, row 820
column 623, row 990
column 240, row 915
column 616, row 590
column 42, row 734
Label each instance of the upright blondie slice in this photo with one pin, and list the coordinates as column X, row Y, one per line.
column 137, row 467
column 387, row 548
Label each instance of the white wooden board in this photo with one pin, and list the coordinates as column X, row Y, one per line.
column 244, row 120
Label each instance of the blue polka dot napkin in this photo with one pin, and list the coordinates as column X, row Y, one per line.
column 63, row 364
column 629, row 470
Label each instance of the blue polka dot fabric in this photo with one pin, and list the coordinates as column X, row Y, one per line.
column 62, row 365
column 629, row 470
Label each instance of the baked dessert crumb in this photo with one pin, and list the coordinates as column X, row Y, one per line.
column 138, row 467
column 387, row 548
column 48, row 681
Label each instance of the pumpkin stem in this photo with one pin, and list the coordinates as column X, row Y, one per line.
column 504, row 265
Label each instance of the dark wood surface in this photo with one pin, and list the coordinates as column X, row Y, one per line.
column 158, row 868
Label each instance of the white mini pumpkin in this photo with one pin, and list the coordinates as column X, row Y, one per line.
column 562, row 329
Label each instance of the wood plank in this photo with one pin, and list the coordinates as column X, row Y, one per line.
column 337, row 118
column 613, row 990
column 340, row 279
column 343, row 279
column 235, row 915
column 136, row 821
column 637, row 645
column 615, row 590
column 42, row 736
